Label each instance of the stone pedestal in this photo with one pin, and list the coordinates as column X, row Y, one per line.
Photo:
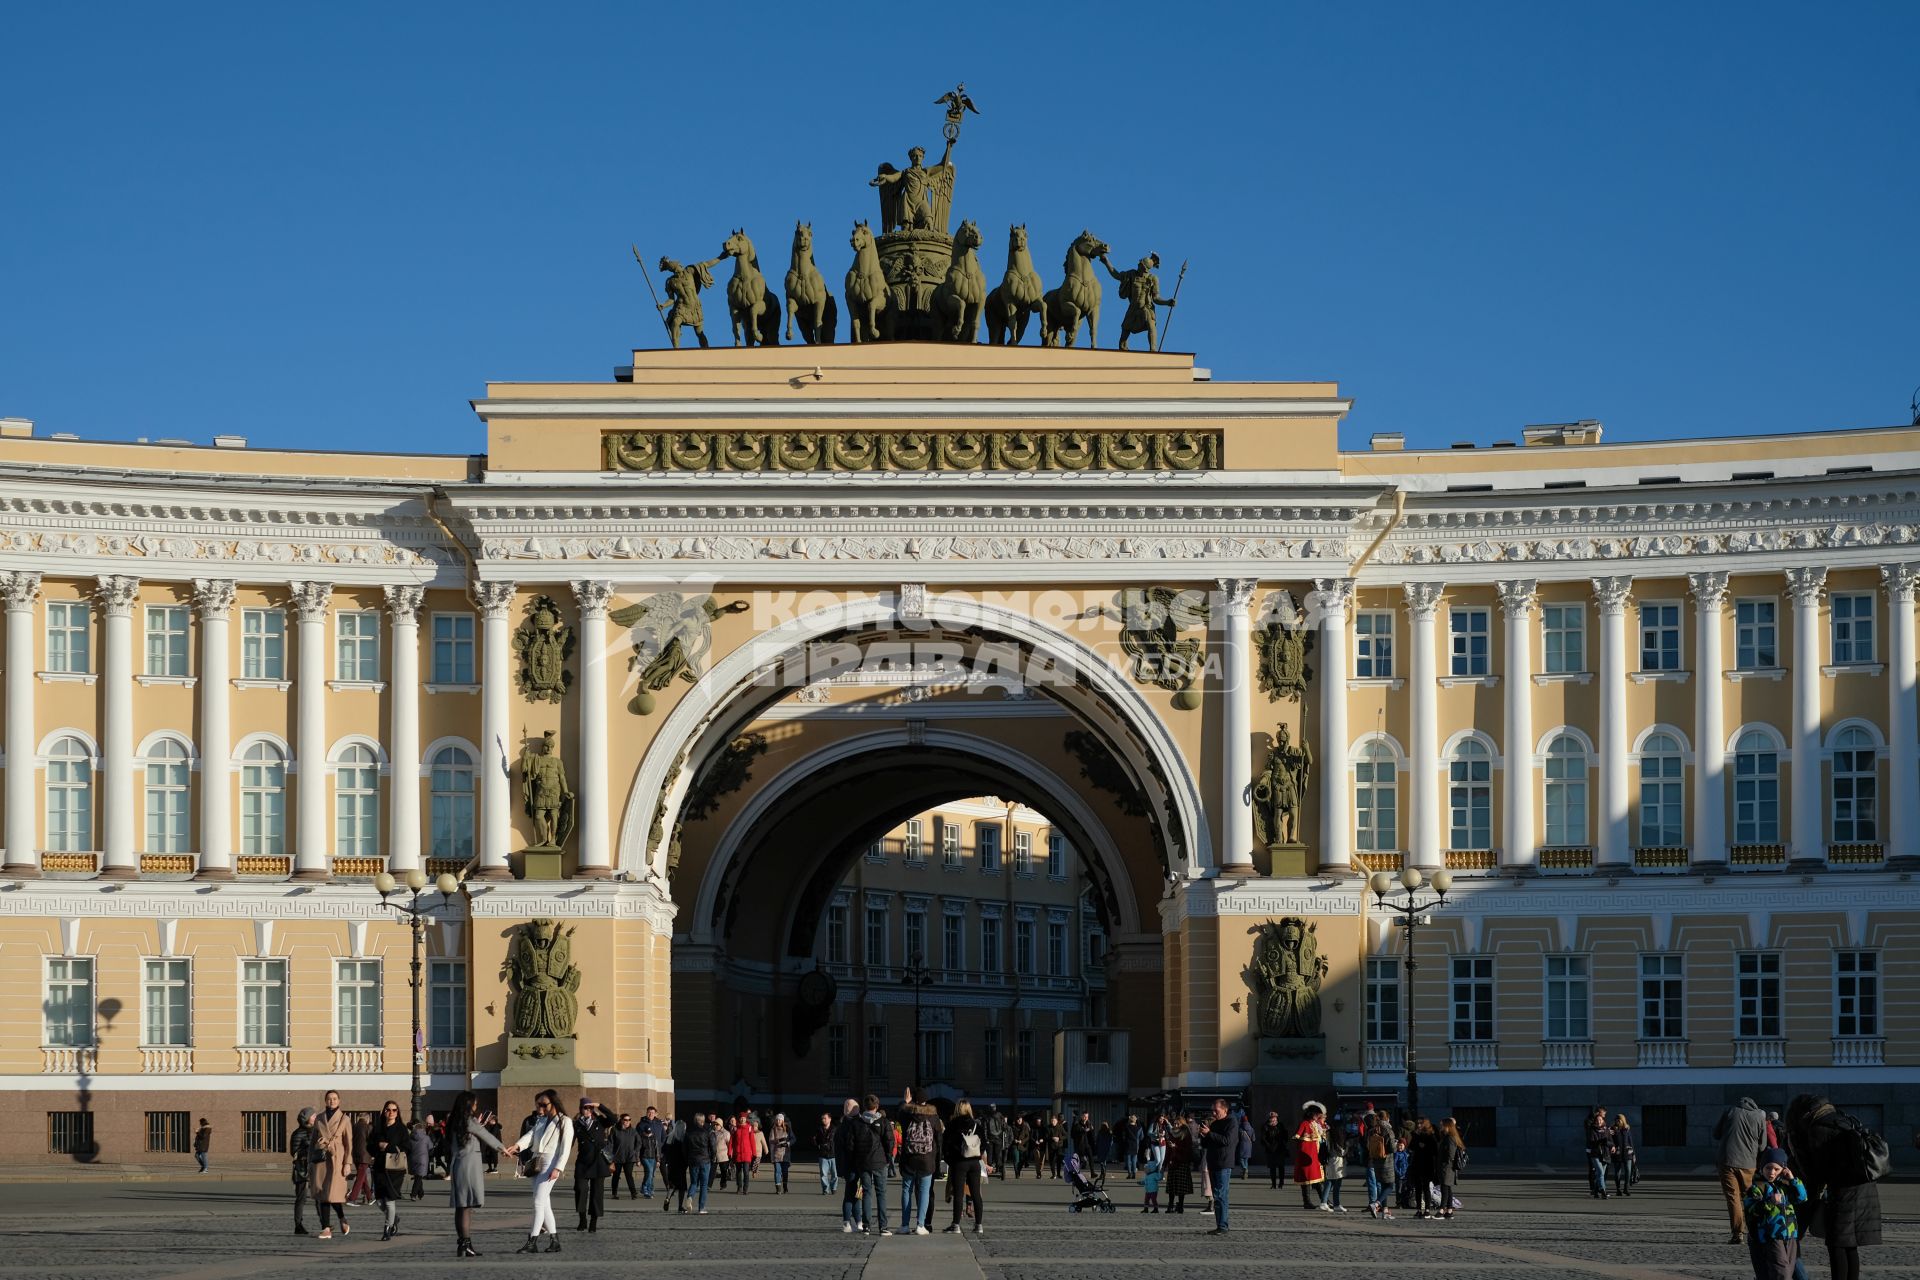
column 1288, row 859
column 1289, row 1071
column 540, row 864
column 540, row 1063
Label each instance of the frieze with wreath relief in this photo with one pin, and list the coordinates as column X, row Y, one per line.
column 910, row 450
column 1648, row 546
column 922, row 548
column 237, row 550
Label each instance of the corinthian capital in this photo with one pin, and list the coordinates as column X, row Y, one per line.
column 1612, row 595
column 213, row 597
column 1423, row 599
column 1805, row 585
column 1517, row 596
column 403, row 603
column 310, row 600
column 1900, row 580
column 21, row 591
column 1330, row 599
column 116, row 594
column 1709, row 590
column 1236, row 595
column 494, row 598
column 593, row 596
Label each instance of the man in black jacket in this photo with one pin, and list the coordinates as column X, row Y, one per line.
column 868, row 1146
column 701, row 1150
column 653, row 1143
column 300, row 1150
column 1222, row 1137
column 623, row 1151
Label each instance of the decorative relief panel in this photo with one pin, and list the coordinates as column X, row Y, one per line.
column 909, row 450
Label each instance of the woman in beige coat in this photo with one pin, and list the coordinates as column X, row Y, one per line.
column 332, row 1164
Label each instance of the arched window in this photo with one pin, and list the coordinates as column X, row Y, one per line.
column 451, row 811
column 263, row 800
column 1756, row 790
column 1376, row 794
column 167, row 777
column 1566, row 792
column 69, row 797
column 356, row 804
column 1470, row 795
column 1856, row 788
column 1660, row 796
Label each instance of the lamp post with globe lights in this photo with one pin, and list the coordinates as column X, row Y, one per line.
column 1412, row 915
column 415, row 882
column 917, row 976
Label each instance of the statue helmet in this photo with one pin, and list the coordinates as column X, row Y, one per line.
column 669, row 266
column 1149, row 262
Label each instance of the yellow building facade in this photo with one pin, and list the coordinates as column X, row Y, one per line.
column 1653, row 706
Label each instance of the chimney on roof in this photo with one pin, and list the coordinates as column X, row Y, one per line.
column 229, row 442
column 1388, row 441
column 16, row 428
column 1585, row 431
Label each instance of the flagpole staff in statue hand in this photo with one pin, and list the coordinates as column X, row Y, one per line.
column 658, row 305
column 1161, row 339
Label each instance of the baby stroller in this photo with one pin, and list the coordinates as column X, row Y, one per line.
column 1089, row 1190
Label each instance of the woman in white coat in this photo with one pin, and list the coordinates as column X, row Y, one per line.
column 549, row 1143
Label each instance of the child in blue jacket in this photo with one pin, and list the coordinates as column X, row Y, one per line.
column 1773, row 1218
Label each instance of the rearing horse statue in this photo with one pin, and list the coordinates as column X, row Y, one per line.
column 957, row 302
column 866, row 288
column 1017, row 298
column 807, row 295
column 1078, row 295
column 754, row 308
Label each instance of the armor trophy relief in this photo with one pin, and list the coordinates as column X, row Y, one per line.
column 915, row 277
column 545, row 981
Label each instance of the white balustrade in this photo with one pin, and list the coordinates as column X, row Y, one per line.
column 356, row 1060
column 447, row 1062
column 1567, row 1055
column 166, row 1060
column 70, row 1060
column 260, row 1060
column 1663, row 1053
column 1386, row 1055
column 1859, row 1052
column 1759, row 1053
column 1473, row 1055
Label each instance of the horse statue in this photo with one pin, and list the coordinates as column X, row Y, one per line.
column 866, row 288
column 1017, row 297
column 1078, row 295
column 807, row 295
column 754, row 308
column 958, row 300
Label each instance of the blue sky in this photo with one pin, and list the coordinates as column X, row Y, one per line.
column 329, row 226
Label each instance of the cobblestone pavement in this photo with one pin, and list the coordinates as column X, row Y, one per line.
column 98, row 1227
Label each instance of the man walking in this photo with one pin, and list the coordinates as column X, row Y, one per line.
column 653, row 1145
column 1221, row 1141
column 623, row 1151
column 1742, row 1135
column 702, row 1149
column 823, row 1149
column 300, row 1152
column 868, row 1147
column 202, row 1143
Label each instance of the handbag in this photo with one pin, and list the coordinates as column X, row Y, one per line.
column 394, row 1162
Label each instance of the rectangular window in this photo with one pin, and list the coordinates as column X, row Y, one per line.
column 453, row 648
column 1024, row 1063
column 910, row 841
column 837, row 1051
column 837, row 933
column 357, row 998
column 1662, row 998
column 876, row 852
column 992, row 1067
column 1472, row 998
column 1383, row 999
column 876, row 1051
column 169, row 1132
column 1663, row 1124
column 1470, row 800
column 876, row 935
column 264, row 1131
column 167, row 781
column 1023, row 853
column 1756, row 635
column 1856, row 994
column 1567, row 998
column 953, row 943
column 263, row 1003
column 1660, row 813
column 990, row 958
column 1660, row 637
column 263, row 644
column 69, row 636
column 359, row 646
column 447, row 1004
column 1758, row 991
column 70, row 1133
column 165, row 994
column 1563, row 635
column 166, row 640
column 69, row 1002
column 1373, row 644
column 936, row 1053
column 1057, row 948
column 916, row 937
column 1376, row 804
column 1023, row 948
column 1756, row 796
column 1056, row 856
column 986, row 839
column 1468, row 630
column 1852, row 629
column 949, row 843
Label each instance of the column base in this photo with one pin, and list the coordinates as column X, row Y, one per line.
column 311, row 874
column 593, row 873
column 491, row 873
column 21, row 870
column 118, row 873
column 214, row 873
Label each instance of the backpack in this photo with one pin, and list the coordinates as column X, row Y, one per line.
column 1862, row 1154
column 970, row 1146
column 919, row 1136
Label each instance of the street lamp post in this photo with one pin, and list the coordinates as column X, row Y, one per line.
column 917, row 975
column 1412, row 916
column 415, row 882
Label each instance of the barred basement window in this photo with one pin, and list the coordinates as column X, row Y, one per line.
column 168, row 1132
column 1479, row 1127
column 1663, row 1125
column 70, row 1133
column 264, row 1131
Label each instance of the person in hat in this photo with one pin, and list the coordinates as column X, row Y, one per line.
column 1771, row 1206
column 593, row 1128
column 1141, row 288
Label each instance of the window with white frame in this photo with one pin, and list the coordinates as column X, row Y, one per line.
column 1756, row 635
column 1470, row 795
column 166, row 640
column 263, row 644
column 1563, row 637
column 1471, row 981
column 876, row 939
column 953, row 943
column 1852, row 614
column 165, row 994
column 1756, row 790
column 1023, row 853
column 69, row 636
column 1663, row 1010
column 1057, row 948
column 1856, row 994
column 876, row 1051
column 452, row 648
column 1856, row 787
column 1056, row 856
column 837, row 933
column 1376, row 800
column 1757, row 990
column 450, row 804
column 1566, row 788
column 1568, row 995
column 168, row 773
column 990, row 955
column 263, row 800
column 357, row 636
column 1373, row 644
column 447, row 1004
column 916, row 935
column 949, row 842
column 357, row 1000
column 1660, row 792
column 837, row 1051
column 910, row 840
column 1383, row 1000
column 986, row 838
column 1660, row 637
column 1468, row 631
column 69, row 797
column 356, row 804
column 1023, row 948
column 936, row 1053
column 263, row 1003
column 876, row 852
column 69, row 1002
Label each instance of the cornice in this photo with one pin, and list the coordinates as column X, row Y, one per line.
column 917, row 409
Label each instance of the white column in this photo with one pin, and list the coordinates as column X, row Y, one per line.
column 1236, row 724
column 116, row 597
column 596, row 819
column 1423, row 747
column 1329, row 601
column 1805, row 586
column 496, row 761
column 1709, row 723
column 1519, row 850
column 1903, row 715
column 1612, row 596
column 403, row 738
column 312, row 850
column 213, row 601
column 22, row 592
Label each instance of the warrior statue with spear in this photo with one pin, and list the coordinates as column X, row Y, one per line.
column 1141, row 288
